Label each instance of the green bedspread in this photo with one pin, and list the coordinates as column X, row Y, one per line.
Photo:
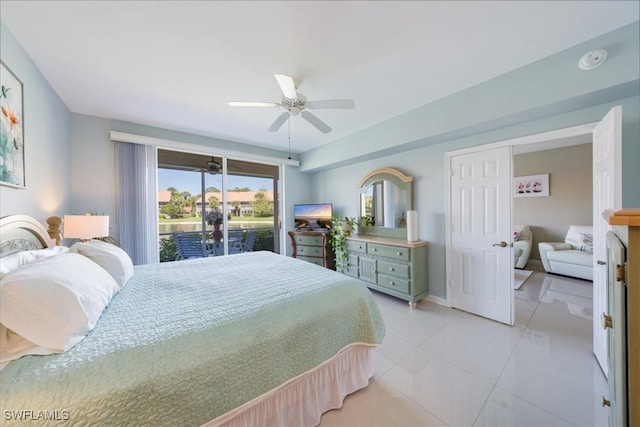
column 185, row 342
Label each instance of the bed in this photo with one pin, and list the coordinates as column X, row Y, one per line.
column 249, row 339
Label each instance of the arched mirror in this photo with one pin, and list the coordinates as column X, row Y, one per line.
column 385, row 198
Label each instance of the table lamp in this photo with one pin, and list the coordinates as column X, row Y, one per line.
column 85, row 227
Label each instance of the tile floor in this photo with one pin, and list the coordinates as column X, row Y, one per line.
column 443, row 367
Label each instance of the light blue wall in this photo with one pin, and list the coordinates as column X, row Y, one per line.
column 426, row 165
column 550, row 94
column 551, row 86
column 94, row 171
column 47, row 141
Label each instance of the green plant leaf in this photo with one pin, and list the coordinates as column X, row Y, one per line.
column 4, row 91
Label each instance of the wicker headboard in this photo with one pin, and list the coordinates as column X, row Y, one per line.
column 21, row 233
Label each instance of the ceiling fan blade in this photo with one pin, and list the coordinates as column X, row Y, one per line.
column 252, row 104
column 315, row 121
column 346, row 104
column 287, row 86
column 279, row 122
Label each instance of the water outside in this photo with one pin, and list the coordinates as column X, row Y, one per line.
column 168, row 228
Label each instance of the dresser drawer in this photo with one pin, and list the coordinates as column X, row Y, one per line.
column 395, row 252
column 351, row 270
column 312, row 260
column 393, row 283
column 309, row 240
column 355, row 246
column 393, row 269
column 352, row 259
column 309, row 251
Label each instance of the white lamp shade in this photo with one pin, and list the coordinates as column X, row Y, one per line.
column 85, row 227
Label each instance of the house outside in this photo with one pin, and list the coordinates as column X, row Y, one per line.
column 239, row 203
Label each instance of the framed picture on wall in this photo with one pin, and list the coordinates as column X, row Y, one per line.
column 531, row 186
column 11, row 129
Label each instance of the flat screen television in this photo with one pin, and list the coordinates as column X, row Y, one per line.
column 313, row 216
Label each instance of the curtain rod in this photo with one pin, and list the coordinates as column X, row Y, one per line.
column 198, row 149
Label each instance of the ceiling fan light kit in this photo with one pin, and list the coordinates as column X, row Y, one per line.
column 297, row 104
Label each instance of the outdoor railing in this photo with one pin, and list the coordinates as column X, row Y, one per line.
column 168, row 252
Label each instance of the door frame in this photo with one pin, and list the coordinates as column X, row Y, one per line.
column 569, row 132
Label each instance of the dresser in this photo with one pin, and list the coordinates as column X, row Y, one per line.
column 392, row 266
column 312, row 246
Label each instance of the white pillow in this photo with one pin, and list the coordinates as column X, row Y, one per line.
column 9, row 263
column 110, row 257
column 13, row 346
column 49, row 252
column 16, row 260
column 586, row 242
column 55, row 302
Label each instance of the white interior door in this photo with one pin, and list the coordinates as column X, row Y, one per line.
column 607, row 194
column 481, row 247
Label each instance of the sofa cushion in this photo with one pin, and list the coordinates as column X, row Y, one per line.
column 572, row 257
column 521, row 232
column 586, row 242
column 575, row 235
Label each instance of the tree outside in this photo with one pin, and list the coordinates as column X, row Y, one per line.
column 262, row 207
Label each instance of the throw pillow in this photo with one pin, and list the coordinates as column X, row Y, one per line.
column 586, row 242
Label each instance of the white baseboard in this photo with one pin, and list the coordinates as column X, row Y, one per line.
column 437, row 300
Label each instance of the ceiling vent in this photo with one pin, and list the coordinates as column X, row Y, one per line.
column 592, row 59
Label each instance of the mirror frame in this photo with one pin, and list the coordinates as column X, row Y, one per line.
column 402, row 181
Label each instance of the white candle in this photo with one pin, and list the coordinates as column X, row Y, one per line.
column 412, row 226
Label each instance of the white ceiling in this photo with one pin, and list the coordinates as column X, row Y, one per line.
column 176, row 64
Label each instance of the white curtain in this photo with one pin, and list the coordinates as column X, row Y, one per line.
column 138, row 202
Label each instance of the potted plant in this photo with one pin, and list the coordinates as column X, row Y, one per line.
column 341, row 228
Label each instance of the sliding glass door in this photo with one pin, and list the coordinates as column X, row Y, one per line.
column 230, row 204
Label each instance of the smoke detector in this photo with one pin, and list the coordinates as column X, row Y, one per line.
column 592, row 59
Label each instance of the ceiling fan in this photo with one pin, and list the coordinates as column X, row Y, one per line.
column 212, row 166
column 296, row 103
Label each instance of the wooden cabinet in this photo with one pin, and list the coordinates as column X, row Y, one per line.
column 312, row 246
column 393, row 266
column 624, row 331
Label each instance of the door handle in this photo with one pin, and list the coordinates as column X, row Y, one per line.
column 502, row 244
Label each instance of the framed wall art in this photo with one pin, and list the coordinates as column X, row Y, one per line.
column 531, row 186
column 11, row 129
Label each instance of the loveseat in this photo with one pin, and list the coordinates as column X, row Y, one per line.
column 522, row 243
column 573, row 257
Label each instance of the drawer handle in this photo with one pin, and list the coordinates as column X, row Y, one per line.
column 392, row 283
column 392, row 269
column 301, row 250
column 399, row 253
column 359, row 247
column 374, row 249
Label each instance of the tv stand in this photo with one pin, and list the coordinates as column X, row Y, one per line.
column 312, row 246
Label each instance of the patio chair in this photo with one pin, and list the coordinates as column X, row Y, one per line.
column 235, row 240
column 249, row 241
column 189, row 245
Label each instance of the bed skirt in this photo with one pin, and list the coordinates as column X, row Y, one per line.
column 302, row 400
